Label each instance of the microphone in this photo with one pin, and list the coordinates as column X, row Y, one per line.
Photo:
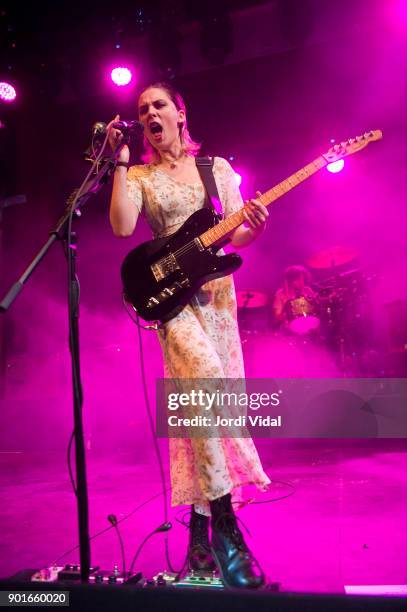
column 99, row 128
column 127, row 126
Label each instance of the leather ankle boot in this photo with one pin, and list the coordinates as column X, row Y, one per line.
column 236, row 563
column 199, row 551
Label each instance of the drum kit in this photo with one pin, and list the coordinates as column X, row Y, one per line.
column 334, row 313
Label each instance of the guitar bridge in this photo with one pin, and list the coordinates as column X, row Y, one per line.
column 164, row 267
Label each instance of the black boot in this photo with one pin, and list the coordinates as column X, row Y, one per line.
column 236, row 563
column 199, row 551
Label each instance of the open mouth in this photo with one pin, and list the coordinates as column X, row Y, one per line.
column 155, row 128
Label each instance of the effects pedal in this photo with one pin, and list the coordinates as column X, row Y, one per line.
column 60, row 572
column 195, row 579
column 114, row 577
column 47, row 574
column 201, row 579
column 72, row 572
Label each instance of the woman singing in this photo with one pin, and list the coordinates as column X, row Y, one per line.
column 202, row 341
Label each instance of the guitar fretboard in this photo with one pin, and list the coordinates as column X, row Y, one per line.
column 222, row 229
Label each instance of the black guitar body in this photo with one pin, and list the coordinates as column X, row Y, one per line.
column 161, row 276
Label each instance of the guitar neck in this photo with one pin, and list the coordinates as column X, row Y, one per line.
column 222, row 229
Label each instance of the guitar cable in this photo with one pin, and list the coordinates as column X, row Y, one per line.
column 166, row 525
column 154, row 327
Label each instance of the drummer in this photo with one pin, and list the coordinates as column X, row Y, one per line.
column 296, row 284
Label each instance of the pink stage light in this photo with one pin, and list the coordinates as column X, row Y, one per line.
column 336, row 166
column 7, row 92
column 238, row 178
column 397, row 10
column 121, row 76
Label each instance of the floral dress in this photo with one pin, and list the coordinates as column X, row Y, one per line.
column 202, row 341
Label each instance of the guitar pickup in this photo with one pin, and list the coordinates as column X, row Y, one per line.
column 167, row 292
column 164, row 267
column 199, row 244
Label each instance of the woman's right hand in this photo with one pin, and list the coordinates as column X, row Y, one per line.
column 115, row 136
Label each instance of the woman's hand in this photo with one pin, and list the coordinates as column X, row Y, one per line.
column 115, row 136
column 256, row 214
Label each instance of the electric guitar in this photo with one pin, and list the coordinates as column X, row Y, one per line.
column 161, row 276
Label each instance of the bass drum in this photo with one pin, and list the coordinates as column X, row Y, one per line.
column 301, row 315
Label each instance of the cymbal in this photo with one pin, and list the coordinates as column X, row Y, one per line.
column 251, row 299
column 335, row 256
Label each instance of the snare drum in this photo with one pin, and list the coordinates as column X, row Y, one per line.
column 301, row 314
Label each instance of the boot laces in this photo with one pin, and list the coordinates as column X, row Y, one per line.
column 227, row 524
column 199, row 530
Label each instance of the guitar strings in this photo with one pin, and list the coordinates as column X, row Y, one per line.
column 181, row 251
column 184, row 249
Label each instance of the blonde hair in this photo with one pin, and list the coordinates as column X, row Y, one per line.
column 189, row 146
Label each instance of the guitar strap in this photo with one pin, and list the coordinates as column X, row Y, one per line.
column 212, row 199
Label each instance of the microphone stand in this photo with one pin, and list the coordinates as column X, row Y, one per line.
column 62, row 231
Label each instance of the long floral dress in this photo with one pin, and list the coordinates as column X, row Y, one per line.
column 202, row 341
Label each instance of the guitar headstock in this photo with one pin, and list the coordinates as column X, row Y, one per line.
column 353, row 145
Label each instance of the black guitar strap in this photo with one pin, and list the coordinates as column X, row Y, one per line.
column 212, row 199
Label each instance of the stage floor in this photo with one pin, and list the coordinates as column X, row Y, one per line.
column 344, row 524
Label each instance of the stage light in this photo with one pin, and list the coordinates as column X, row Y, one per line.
column 336, row 166
column 238, row 178
column 7, row 92
column 121, row 76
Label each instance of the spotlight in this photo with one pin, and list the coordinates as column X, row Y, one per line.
column 238, row 178
column 121, row 76
column 7, row 92
column 336, row 166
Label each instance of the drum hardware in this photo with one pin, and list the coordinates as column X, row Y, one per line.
column 332, row 257
column 251, row 299
column 253, row 312
column 346, row 317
